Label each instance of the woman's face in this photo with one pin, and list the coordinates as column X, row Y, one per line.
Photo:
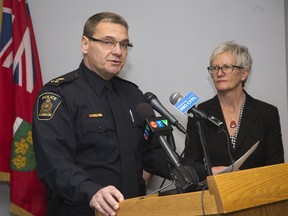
column 224, row 82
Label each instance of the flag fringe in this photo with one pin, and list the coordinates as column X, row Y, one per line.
column 5, row 177
column 14, row 209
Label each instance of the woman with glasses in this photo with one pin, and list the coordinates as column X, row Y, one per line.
column 246, row 120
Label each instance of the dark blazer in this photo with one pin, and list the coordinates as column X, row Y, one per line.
column 260, row 121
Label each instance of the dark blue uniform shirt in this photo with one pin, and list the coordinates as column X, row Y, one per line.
column 75, row 141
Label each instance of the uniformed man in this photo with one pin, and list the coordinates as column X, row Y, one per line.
column 89, row 153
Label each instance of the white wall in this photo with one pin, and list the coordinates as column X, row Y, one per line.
column 172, row 45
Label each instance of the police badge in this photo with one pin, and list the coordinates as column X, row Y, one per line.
column 47, row 104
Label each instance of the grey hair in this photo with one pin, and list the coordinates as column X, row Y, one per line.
column 240, row 52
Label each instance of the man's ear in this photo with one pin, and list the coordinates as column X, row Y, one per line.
column 84, row 44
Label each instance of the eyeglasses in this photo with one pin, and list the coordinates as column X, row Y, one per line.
column 110, row 44
column 227, row 69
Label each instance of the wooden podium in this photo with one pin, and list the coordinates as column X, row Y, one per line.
column 258, row 192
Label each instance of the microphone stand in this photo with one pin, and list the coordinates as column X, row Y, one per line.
column 203, row 143
column 185, row 178
column 171, row 141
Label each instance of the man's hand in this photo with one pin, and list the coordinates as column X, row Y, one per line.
column 106, row 200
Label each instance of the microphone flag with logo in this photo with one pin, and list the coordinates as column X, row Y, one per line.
column 186, row 105
column 156, row 126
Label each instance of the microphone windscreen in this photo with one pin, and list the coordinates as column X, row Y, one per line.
column 175, row 97
column 148, row 96
column 143, row 111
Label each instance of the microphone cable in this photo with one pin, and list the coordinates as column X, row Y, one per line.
column 202, row 199
column 229, row 149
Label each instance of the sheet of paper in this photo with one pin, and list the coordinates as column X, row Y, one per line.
column 236, row 165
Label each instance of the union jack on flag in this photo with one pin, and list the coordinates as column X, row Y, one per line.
column 21, row 46
column 20, row 81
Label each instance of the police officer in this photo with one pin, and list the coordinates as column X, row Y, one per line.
column 81, row 143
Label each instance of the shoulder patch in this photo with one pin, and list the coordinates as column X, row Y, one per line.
column 47, row 105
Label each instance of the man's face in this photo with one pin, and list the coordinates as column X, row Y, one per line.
column 106, row 62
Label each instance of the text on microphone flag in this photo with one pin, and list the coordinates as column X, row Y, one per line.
column 156, row 126
column 187, row 102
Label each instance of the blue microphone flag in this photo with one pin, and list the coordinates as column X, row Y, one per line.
column 187, row 102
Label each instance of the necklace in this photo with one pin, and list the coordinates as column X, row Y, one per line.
column 234, row 137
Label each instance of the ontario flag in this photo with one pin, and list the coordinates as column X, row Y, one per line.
column 20, row 81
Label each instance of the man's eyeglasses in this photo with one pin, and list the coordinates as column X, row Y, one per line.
column 110, row 44
column 227, row 69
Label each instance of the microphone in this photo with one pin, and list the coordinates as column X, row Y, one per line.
column 186, row 105
column 156, row 104
column 156, row 128
column 184, row 178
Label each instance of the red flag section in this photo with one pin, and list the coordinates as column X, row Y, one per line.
column 20, row 81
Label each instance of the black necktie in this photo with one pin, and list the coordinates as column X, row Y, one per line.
column 128, row 166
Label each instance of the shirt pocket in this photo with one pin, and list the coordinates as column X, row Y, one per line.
column 99, row 139
column 97, row 125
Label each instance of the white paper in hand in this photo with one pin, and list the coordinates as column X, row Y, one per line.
column 236, row 165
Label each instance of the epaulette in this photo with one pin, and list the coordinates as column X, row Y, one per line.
column 64, row 78
column 124, row 80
